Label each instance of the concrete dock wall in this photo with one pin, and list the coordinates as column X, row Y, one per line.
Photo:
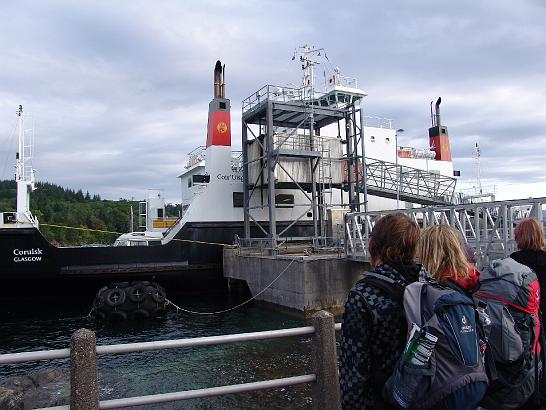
column 305, row 284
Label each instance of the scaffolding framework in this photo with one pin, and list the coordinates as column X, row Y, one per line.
column 274, row 108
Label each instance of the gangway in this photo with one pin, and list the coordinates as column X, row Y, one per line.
column 389, row 180
column 488, row 227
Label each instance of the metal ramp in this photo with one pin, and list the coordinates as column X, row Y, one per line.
column 389, row 180
column 488, row 227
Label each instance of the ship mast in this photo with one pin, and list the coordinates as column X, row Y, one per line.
column 478, row 169
column 306, row 55
column 24, row 174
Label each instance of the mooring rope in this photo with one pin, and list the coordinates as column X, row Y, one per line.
column 178, row 308
column 121, row 233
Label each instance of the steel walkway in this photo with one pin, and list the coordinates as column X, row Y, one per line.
column 488, row 227
column 416, row 185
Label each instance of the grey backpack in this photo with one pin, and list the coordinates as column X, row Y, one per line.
column 456, row 372
column 509, row 294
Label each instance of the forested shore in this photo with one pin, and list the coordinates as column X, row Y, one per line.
column 55, row 205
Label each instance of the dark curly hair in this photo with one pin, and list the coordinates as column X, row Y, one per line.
column 394, row 238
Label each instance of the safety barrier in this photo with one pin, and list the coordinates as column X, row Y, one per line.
column 488, row 226
column 84, row 378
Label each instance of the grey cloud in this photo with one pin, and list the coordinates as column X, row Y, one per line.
column 120, row 90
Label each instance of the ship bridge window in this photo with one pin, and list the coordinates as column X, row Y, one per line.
column 201, row 179
column 189, row 182
column 238, row 200
column 160, row 213
column 137, row 243
column 284, row 201
column 10, row 217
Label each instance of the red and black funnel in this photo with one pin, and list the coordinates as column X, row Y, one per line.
column 219, row 126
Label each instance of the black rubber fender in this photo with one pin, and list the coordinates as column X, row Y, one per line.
column 99, row 315
column 158, row 312
column 114, row 297
column 102, row 290
column 98, row 302
column 116, row 316
column 158, row 294
column 138, row 293
column 141, row 282
column 140, row 314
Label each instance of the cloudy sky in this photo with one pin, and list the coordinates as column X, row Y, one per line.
column 119, row 91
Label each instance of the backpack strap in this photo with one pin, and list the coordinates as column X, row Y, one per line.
column 540, row 379
column 390, row 286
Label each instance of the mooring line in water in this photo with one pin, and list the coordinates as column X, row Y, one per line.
column 178, row 308
column 121, row 233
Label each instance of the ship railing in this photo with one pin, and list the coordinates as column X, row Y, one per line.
column 341, row 80
column 377, row 122
column 83, row 354
column 272, row 93
column 300, row 142
column 487, row 227
column 196, row 156
column 302, row 245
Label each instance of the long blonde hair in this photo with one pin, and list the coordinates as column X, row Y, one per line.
column 442, row 253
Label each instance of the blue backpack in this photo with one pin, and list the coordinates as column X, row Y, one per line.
column 455, row 375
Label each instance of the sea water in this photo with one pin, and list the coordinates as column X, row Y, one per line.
column 46, row 326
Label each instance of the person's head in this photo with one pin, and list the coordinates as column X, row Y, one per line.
column 394, row 239
column 442, row 253
column 471, row 255
column 529, row 235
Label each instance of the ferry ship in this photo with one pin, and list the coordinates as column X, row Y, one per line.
column 186, row 253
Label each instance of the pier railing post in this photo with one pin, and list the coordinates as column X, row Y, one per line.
column 84, row 392
column 326, row 389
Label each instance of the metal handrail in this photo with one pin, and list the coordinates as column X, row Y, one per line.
column 12, row 358
column 203, row 341
column 487, row 226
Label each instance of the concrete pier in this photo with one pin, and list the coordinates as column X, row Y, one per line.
column 304, row 284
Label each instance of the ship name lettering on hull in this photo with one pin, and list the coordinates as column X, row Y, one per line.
column 231, row 177
column 27, row 255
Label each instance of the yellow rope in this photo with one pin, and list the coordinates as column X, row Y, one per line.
column 121, row 233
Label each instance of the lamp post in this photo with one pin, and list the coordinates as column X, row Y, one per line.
column 397, row 169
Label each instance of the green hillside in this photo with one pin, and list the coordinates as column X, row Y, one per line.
column 55, row 205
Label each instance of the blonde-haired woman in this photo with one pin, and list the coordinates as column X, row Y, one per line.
column 444, row 257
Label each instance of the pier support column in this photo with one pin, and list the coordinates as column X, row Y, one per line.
column 84, row 391
column 326, row 389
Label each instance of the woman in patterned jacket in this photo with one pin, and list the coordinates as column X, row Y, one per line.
column 374, row 326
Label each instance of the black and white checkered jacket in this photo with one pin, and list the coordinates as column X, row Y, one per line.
column 372, row 339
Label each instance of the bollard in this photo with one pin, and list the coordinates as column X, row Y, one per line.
column 326, row 389
column 84, row 392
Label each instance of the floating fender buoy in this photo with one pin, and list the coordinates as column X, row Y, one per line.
column 140, row 314
column 135, row 301
column 138, row 293
column 117, row 315
column 114, row 297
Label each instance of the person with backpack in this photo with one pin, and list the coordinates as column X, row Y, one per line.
column 510, row 294
column 441, row 306
column 529, row 236
column 373, row 333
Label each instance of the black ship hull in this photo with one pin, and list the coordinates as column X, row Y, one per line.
column 31, row 267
